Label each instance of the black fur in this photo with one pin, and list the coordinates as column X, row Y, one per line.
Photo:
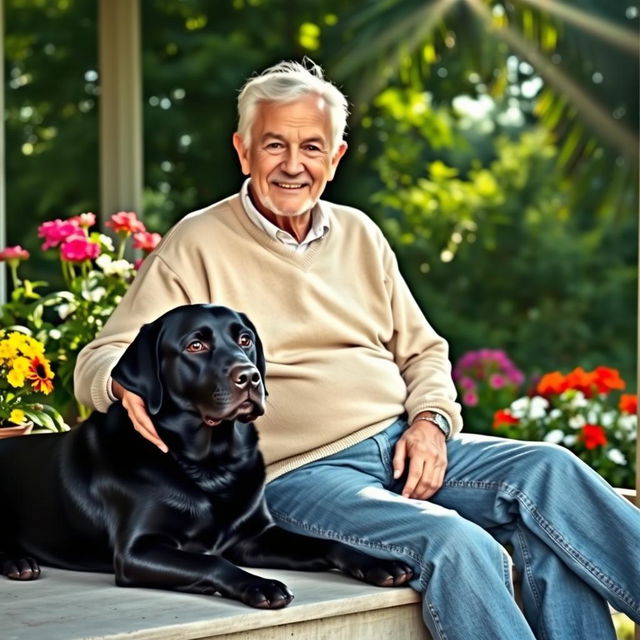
column 101, row 498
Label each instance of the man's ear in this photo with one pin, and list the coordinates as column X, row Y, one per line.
column 138, row 370
column 243, row 153
column 335, row 159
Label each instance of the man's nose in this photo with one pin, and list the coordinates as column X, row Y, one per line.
column 292, row 161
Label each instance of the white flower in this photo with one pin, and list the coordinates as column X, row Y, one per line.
column 66, row 309
column 607, row 418
column 104, row 261
column 55, row 334
column 555, row 436
column 615, row 455
column 518, row 408
column 628, row 422
column 593, row 416
column 538, row 407
column 554, row 414
column 106, row 242
column 569, row 441
column 577, row 422
column 95, row 295
column 576, row 399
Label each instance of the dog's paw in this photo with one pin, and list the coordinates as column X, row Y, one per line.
column 386, row 573
column 267, row 594
column 19, row 568
column 382, row 573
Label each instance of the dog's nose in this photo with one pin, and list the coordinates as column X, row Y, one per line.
column 245, row 376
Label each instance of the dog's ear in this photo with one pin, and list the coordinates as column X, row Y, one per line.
column 138, row 370
column 260, row 361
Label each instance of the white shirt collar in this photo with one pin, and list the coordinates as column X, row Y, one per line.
column 319, row 222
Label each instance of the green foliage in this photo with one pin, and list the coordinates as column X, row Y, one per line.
column 492, row 242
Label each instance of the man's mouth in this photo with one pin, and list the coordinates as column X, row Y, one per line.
column 290, row 185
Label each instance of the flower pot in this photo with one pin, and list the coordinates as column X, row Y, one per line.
column 16, row 430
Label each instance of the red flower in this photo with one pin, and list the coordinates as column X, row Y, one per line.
column 607, row 379
column 593, row 435
column 125, row 222
column 550, row 384
column 628, row 403
column 78, row 249
column 40, row 375
column 146, row 241
column 13, row 254
column 581, row 380
column 503, row 418
column 55, row 231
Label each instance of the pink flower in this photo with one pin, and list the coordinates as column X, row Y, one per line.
column 55, row 231
column 79, row 248
column 137, row 263
column 497, row 381
column 84, row 220
column 12, row 254
column 467, row 383
column 470, row 399
column 125, row 222
column 146, row 241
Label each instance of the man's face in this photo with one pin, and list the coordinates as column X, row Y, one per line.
column 289, row 160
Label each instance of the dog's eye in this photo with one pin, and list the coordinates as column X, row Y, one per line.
column 196, row 346
column 245, row 340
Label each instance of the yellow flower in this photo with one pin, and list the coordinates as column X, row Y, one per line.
column 26, row 345
column 7, row 350
column 40, row 375
column 17, row 416
column 17, row 374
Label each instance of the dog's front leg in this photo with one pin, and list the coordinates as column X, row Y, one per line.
column 277, row 548
column 149, row 563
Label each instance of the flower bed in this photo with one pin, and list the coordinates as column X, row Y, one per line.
column 585, row 411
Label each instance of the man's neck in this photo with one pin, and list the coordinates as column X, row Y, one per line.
column 297, row 226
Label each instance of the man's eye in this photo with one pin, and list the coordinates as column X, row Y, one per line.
column 195, row 346
column 274, row 145
column 245, row 340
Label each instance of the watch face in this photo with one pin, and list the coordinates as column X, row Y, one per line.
column 443, row 423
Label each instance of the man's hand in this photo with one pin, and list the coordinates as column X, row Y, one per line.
column 424, row 445
column 138, row 415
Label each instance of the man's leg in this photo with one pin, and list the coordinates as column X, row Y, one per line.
column 575, row 541
column 464, row 574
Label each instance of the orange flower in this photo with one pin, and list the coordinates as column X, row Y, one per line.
column 40, row 375
column 553, row 383
column 607, row 379
column 503, row 418
column 581, row 380
column 628, row 403
column 593, row 435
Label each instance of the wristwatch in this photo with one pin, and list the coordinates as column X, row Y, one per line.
column 439, row 420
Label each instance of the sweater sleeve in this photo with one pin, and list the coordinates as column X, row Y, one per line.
column 420, row 353
column 155, row 290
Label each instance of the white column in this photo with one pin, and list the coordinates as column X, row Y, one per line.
column 121, row 174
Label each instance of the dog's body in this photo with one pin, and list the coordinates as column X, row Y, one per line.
column 101, row 498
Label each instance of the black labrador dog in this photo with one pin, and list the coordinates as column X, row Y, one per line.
column 102, row 498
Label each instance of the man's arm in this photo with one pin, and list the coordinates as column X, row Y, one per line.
column 423, row 359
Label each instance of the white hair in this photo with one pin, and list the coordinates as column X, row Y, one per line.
column 286, row 82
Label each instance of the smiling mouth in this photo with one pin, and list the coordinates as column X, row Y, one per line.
column 292, row 186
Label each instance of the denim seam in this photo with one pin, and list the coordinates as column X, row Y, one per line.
column 528, row 573
column 545, row 525
column 361, row 542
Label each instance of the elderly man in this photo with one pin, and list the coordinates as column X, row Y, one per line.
column 361, row 436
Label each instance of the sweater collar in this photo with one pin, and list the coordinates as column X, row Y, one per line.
column 319, row 222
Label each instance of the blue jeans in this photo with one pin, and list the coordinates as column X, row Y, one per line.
column 574, row 541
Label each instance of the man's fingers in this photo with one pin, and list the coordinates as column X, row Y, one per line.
column 416, row 468
column 141, row 421
column 399, row 457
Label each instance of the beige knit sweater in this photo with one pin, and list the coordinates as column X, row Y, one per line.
column 347, row 348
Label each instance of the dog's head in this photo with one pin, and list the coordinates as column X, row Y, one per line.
column 198, row 359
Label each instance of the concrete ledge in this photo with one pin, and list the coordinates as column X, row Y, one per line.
column 67, row 605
